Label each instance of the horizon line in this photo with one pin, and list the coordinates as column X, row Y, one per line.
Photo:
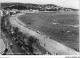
column 37, row 4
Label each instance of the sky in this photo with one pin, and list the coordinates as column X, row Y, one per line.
column 63, row 3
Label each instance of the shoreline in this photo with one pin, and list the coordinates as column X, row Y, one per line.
column 39, row 36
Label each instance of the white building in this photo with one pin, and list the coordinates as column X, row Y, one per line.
column 1, row 13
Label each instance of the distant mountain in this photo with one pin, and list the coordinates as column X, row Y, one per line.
column 40, row 7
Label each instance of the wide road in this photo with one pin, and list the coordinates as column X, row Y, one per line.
column 49, row 44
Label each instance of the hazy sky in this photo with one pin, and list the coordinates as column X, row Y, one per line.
column 64, row 3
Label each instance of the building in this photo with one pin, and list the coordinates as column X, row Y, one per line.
column 1, row 13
